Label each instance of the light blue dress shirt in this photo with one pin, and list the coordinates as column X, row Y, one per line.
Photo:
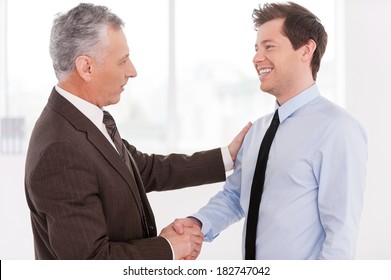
column 314, row 183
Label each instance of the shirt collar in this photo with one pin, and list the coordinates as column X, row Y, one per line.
column 295, row 103
column 91, row 111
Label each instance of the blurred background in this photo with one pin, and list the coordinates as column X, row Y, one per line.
column 196, row 88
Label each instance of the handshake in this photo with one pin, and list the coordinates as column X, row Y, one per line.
column 185, row 237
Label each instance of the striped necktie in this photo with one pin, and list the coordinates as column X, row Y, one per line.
column 111, row 127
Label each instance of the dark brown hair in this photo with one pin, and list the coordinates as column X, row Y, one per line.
column 300, row 25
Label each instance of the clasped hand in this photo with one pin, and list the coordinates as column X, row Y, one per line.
column 185, row 237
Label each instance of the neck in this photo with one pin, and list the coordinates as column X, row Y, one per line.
column 78, row 89
column 293, row 90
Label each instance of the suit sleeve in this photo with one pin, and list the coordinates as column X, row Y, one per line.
column 177, row 171
column 67, row 212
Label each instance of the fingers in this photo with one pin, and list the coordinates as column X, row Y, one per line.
column 179, row 228
column 196, row 248
column 244, row 130
column 196, row 243
column 187, row 222
column 180, row 224
column 240, row 137
column 237, row 141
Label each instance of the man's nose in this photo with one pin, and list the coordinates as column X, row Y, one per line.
column 131, row 71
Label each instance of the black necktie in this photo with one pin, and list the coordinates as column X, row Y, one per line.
column 257, row 188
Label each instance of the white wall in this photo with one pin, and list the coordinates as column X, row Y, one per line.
column 16, row 240
column 368, row 60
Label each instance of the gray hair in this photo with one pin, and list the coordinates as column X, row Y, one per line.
column 79, row 32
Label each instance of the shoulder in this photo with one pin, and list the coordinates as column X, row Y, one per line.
column 54, row 137
column 336, row 127
column 334, row 117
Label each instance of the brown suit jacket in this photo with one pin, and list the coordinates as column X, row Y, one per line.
column 85, row 203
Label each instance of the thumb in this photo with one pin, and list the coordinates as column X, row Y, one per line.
column 180, row 224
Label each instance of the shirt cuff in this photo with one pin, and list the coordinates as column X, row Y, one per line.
column 227, row 159
column 172, row 249
column 206, row 225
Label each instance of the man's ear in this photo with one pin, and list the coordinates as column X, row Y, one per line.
column 308, row 50
column 83, row 67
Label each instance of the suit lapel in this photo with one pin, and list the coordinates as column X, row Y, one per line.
column 82, row 123
column 151, row 224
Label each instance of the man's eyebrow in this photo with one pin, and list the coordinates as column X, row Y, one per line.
column 124, row 57
column 267, row 41
column 263, row 42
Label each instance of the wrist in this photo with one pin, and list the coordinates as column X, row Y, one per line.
column 196, row 221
